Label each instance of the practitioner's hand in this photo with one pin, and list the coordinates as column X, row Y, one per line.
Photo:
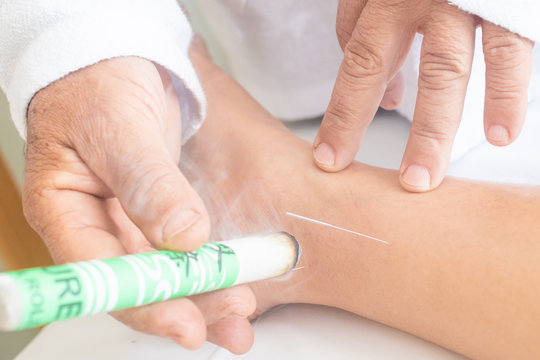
column 375, row 36
column 102, row 180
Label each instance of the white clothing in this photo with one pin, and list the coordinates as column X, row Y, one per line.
column 42, row 40
column 285, row 53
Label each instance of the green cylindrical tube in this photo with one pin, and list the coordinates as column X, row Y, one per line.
column 34, row 297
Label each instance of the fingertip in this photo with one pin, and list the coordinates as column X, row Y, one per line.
column 498, row 135
column 236, row 301
column 324, row 156
column 416, row 178
column 390, row 102
column 394, row 93
column 240, row 301
column 190, row 342
column 192, row 231
column 234, row 334
column 183, row 324
column 177, row 319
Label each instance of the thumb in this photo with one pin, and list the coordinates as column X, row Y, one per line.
column 123, row 126
column 126, row 129
column 153, row 192
column 162, row 203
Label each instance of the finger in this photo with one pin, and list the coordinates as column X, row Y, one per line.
column 348, row 12
column 237, row 301
column 62, row 204
column 139, row 169
column 445, row 64
column 129, row 235
column 177, row 319
column 234, row 333
column 370, row 61
column 83, row 234
column 159, row 199
column 394, row 92
column 508, row 59
column 76, row 227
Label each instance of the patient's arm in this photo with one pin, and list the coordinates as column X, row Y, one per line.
column 463, row 266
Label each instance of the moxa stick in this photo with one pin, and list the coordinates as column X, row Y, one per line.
column 38, row 296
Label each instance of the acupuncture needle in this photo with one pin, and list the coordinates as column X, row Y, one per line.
column 305, row 218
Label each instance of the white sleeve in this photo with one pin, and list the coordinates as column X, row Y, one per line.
column 519, row 16
column 43, row 40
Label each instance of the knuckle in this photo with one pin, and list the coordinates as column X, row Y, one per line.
column 153, row 182
column 148, row 104
column 359, row 61
column 343, row 36
column 501, row 89
column 503, row 51
column 341, row 120
column 434, row 136
column 440, row 69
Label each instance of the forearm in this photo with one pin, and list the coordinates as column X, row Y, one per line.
column 462, row 266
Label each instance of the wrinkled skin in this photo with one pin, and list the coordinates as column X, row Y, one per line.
column 376, row 36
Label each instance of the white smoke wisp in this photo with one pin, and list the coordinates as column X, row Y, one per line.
column 232, row 215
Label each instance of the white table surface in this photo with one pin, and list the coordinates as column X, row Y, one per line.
column 305, row 331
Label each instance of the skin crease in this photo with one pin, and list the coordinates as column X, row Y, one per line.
column 457, row 273
column 102, row 180
column 376, row 36
column 88, row 177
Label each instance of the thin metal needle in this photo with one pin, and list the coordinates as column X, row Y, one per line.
column 288, row 213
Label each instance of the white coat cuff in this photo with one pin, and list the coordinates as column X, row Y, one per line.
column 161, row 35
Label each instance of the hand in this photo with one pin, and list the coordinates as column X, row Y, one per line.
column 376, row 36
column 102, row 180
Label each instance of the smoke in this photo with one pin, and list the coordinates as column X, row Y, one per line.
column 235, row 210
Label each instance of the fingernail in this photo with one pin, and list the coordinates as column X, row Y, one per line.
column 417, row 177
column 178, row 223
column 498, row 134
column 324, row 155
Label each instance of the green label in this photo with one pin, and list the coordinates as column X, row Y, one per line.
column 78, row 289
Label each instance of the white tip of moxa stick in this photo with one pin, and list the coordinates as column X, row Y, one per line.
column 10, row 304
column 265, row 256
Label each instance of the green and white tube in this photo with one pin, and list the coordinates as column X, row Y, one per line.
column 38, row 296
